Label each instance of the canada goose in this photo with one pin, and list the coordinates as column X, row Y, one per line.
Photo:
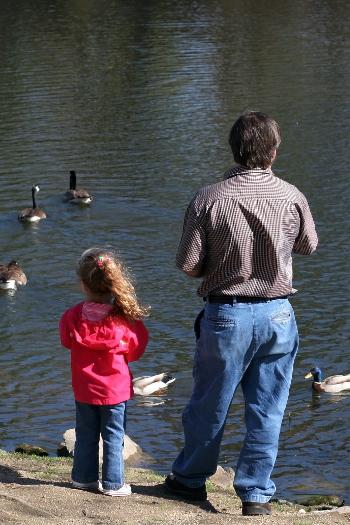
column 74, row 195
column 152, row 385
column 331, row 384
column 11, row 275
column 33, row 214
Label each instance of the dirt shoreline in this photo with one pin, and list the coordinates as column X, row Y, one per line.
column 37, row 491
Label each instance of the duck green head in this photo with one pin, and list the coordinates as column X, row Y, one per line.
column 316, row 374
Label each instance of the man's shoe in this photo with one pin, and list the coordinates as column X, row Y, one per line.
column 182, row 491
column 254, row 508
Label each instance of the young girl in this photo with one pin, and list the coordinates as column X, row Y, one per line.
column 103, row 333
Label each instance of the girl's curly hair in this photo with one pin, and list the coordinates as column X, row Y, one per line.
column 103, row 273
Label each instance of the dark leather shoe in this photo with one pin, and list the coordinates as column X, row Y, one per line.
column 254, row 508
column 182, row 491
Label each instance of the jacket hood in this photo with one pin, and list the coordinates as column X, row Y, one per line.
column 103, row 335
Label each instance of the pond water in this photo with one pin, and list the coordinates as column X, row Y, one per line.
column 138, row 97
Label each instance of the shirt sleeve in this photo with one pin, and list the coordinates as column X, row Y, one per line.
column 138, row 341
column 192, row 247
column 306, row 241
column 64, row 331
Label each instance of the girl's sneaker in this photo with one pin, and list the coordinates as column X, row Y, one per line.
column 125, row 490
column 94, row 485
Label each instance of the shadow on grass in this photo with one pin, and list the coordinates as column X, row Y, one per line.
column 11, row 475
column 159, row 491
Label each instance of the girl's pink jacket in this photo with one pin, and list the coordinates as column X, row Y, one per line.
column 100, row 352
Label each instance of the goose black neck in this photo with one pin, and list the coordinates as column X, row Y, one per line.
column 72, row 180
column 33, row 198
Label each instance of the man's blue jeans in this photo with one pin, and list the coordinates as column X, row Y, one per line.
column 91, row 421
column 252, row 344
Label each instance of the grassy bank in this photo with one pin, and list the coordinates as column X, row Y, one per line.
column 37, row 491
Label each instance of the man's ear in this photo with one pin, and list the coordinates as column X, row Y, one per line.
column 273, row 157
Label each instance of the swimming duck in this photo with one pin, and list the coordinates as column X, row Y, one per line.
column 332, row 384
column 11, row 275
column 76, row 195
column 152, row 385
column 33, row 214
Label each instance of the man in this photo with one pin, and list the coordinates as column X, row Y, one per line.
column 239, row 236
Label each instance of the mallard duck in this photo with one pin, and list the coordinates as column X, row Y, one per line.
column 33, row 214
column 332, row 384
column 152, row 385
column 76, row 195
column 11, row 275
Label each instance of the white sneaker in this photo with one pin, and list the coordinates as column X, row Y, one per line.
column 125, row 490
column 93, row 485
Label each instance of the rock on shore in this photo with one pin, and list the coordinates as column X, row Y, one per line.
column 131, row 449
column 133, row 453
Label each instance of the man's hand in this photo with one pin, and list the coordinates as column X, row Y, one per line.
column 192, row 273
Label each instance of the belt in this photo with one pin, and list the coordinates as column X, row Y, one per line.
column 233, row 299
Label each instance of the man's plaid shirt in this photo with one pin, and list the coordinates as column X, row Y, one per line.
column 239, row 234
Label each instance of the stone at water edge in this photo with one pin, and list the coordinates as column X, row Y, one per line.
column 67, row 447
column 223, row 477
column 313, row 500
column 31, row 450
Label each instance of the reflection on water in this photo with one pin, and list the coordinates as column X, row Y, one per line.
column 9, row 293
column 138, row 98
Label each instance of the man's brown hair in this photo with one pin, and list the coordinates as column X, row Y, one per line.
column 253, row 138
